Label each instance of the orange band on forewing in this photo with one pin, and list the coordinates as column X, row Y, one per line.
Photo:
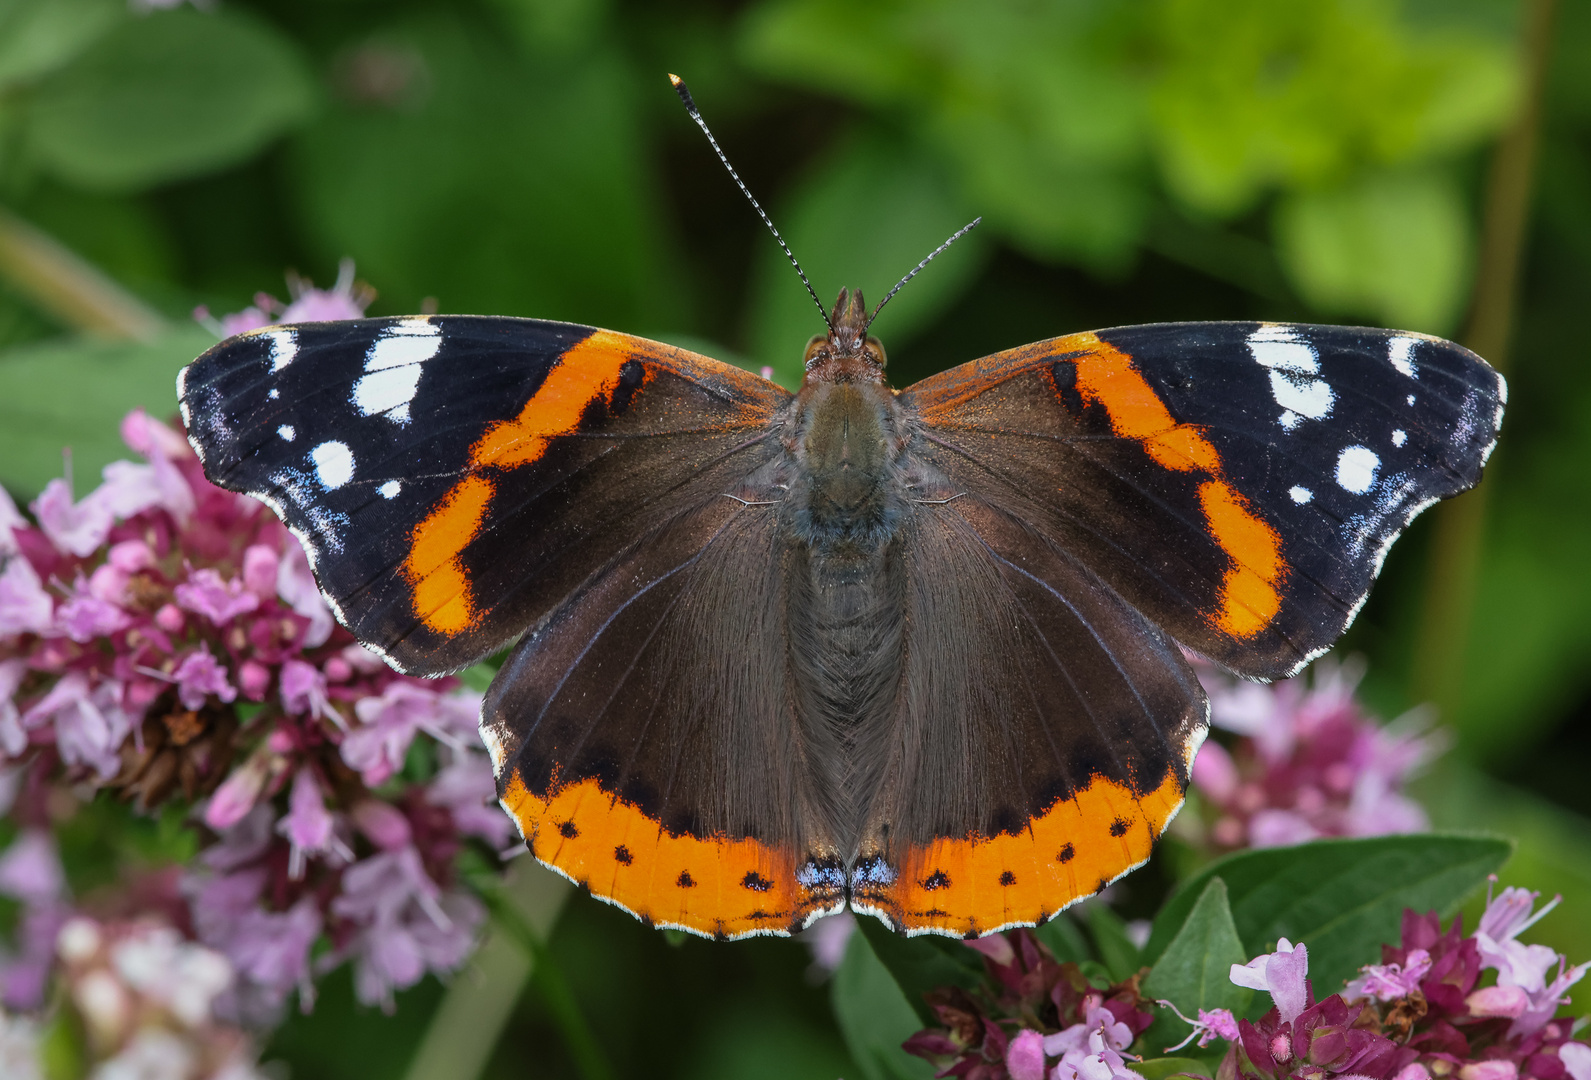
column 1249, row 595
column 588, row 371
column 1250, row 589
column 976, row 885
column 719, row 887
column 442, row 597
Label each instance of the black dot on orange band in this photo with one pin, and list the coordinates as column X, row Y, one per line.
column 622, row 853
column 569, row 830
column 1007, row 878
column 937, row 880
column 756, row 881
column 685, row 880
column 1102, row 886
column 1066, row 854
column 1119, row 827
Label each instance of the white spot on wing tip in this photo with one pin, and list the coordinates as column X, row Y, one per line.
column 1300, row 495
column 390, row 489
column 1356, row 469
column 393, row 367
column 1399, row 437
column 1400, row 351
column 334, row 464
column 287, row 432
column 1292, row 362
column 284, row 347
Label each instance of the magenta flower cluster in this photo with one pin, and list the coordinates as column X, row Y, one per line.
column 1422, row 1012
column 162, row 639
column 1306, row 762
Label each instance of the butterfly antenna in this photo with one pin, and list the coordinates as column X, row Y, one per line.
column 690, row 106
column 957, row 235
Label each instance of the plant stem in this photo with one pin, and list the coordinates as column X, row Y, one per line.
column 1438, row 667
column 469, row 1022
column 69, row 288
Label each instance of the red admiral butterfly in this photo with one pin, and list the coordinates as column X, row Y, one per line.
column 916, row 651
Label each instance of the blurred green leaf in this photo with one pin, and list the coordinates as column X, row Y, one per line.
column 1034, row 112
column 862, row 221
column 1395, row 247
column 37, row 36
column 1063, row 938
column 1195, row 970
column 771, row 1045
column 1166, row 1067
column 874, row 1015
column 1249, row 93
column 923, row 963
column 1342, row 898
column 74, row 393
column 169, row 95
column 1121, row 957
column 450, row 168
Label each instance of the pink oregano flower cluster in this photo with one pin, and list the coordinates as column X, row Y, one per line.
column 1306, row 762
column 1421, row 1013
column 163, row 639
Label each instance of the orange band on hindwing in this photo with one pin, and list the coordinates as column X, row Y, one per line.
column 589, row 371
column 719, row 887
column 1251, row 588
column 973, row 886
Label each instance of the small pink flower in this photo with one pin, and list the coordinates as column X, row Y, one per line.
column 239, row 792
column 388, row 724
column 260, row 566
column 10, row 519
column 1024, row 1056
column 25, row 608
column 150, row 438
column 254, row 679
column 308, row 825
column 130, row 556
column 89, row 721
column 207, row 593
column 303, row 689
column 1576, row 1058
column 84, row 616
column 200, row 675
column 1489, row 1070
column 76, row 527
column 341, row 301
column 1507, row 1001
column 468, row 789
column 13, row 739
column 130, row 488
column 383, row 823
column 170, row 619
column 30, row 869
column 295, row 584
column 1214, row 771
column 997, row 947
column 1282, row 974
column 1388, row 982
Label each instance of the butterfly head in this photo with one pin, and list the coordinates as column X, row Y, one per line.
column 847, row 353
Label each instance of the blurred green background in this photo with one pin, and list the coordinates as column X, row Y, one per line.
column 1143, row 160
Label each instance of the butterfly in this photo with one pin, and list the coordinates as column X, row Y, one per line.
column 919, row 652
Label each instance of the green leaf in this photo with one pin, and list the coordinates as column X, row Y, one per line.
column 874, row 1015
column 1343, row 898
column 1393, row 247
column 1195, row 971
column 862, row 221
column 74, row 393
column 37, row 36
column 1121, row 957
column 1064, row 939
column 919, row 964
column 531, row 194
column 173, row 94
column 1165, row 1067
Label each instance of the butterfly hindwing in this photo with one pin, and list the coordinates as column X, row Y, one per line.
column 454, row 477
column 1041, row 740
column 647, row 738
column 1239, row 483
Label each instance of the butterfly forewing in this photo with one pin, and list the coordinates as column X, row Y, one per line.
column 1239, row 483
column 453, row 478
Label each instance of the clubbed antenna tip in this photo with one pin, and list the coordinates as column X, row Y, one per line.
column 690, row 106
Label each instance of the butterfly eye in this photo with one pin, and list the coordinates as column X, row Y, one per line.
column 813, row 348
column 875, row 351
